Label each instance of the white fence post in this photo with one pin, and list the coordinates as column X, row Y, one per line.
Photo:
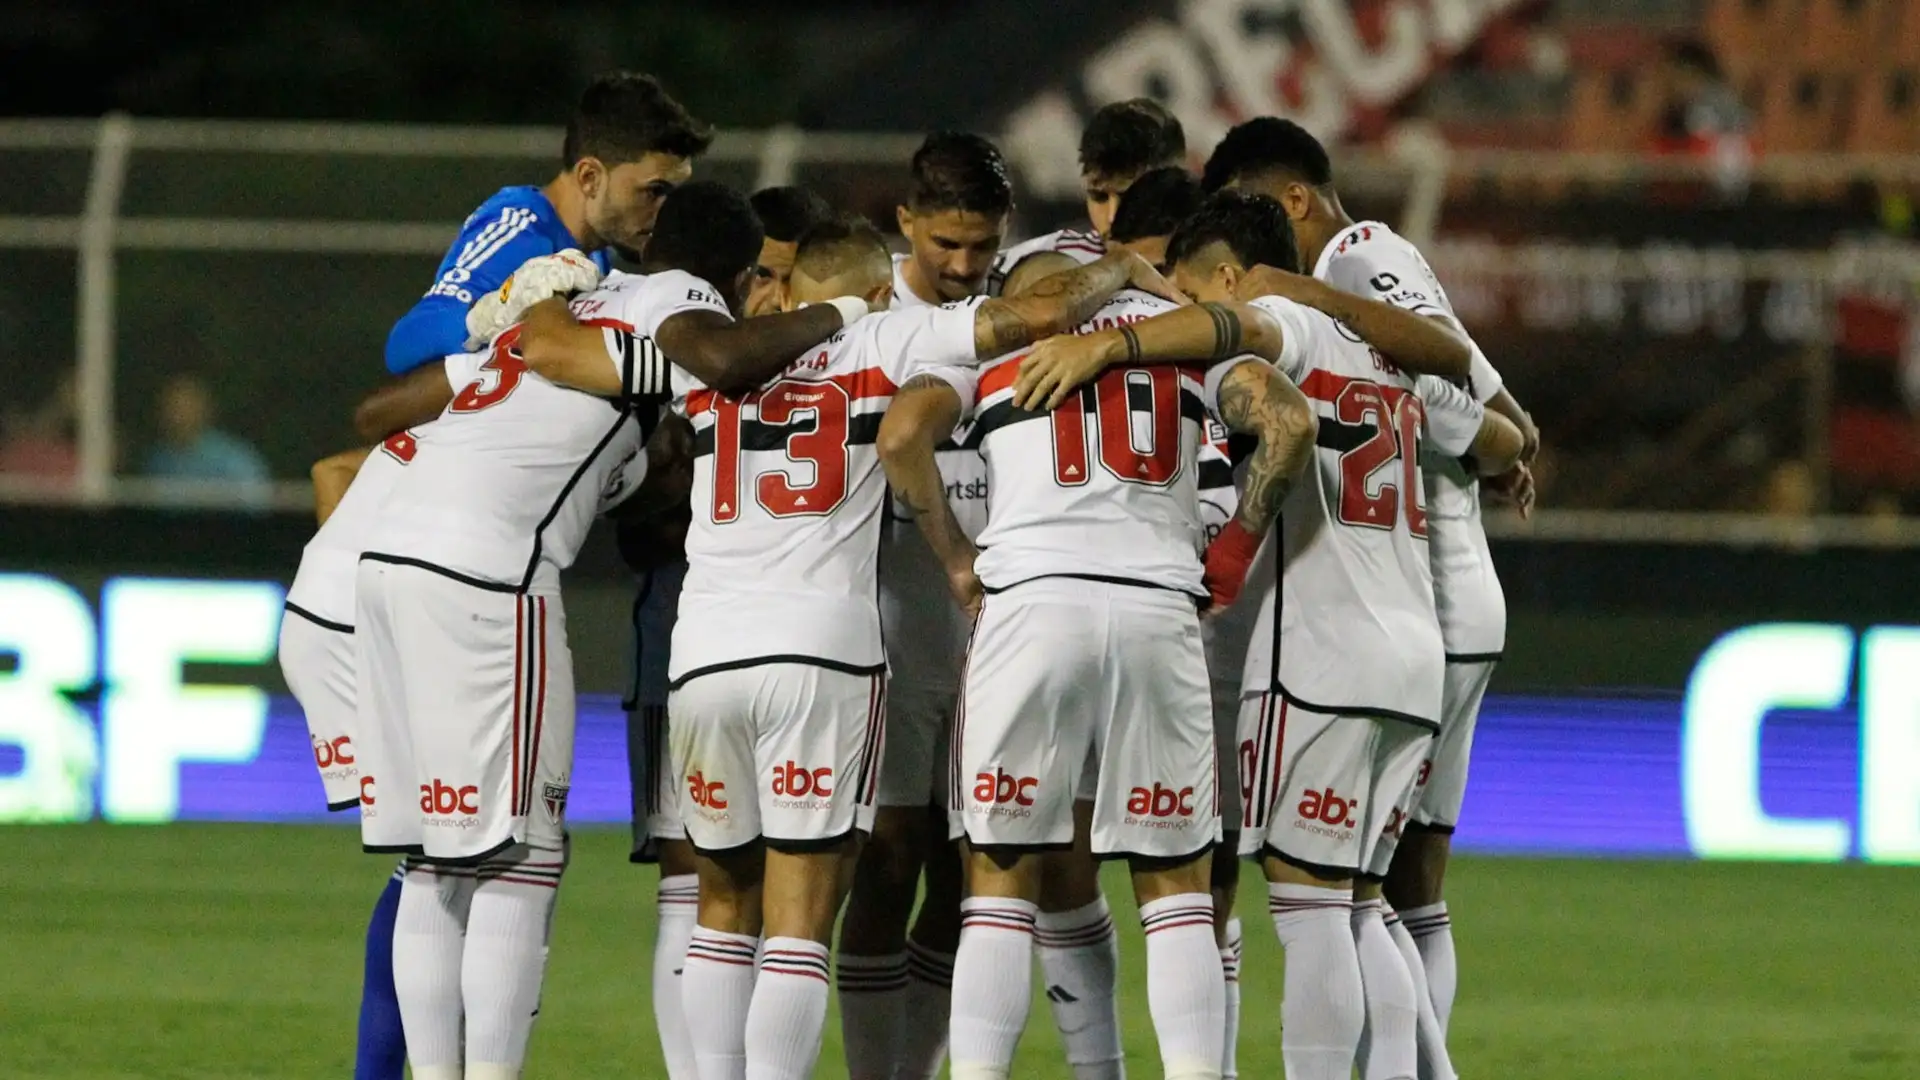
column 94, row 322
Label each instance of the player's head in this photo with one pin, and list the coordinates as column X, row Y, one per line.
column 708, row 230
column 629, row 144
column 1153, row 207
column 840, row 257
column 1231, row 233
column 1282, row 160
column 957, row 214
column 786, row 213
column 1124, row 140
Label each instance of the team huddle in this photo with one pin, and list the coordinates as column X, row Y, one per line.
column 962, row 571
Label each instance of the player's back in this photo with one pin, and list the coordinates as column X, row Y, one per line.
column 1358, row 628
column 788, row 493
column 1103, row 487
column 1081, row 247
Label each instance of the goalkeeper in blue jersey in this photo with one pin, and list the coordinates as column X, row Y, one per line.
column 627, row 146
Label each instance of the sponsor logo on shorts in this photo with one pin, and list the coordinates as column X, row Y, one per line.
column 449, row 806
column 1327, row 813
column 553, row 795
column 796, row 787
column 1426, row 771
column 1396, row 822
column 366, row 797
column 334, row 757
column 1247, row 770
column 1160, row 807
column 709, row 796
column 1000, row 793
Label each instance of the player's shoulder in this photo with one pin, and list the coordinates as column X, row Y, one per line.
column 519, row 201
column 1126, row 306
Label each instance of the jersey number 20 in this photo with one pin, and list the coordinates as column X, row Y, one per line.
column 1138, row 412
column 823, row 447
column 1371, row 493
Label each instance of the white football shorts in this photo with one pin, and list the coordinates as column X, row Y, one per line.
column 466, row 702
column 1445, row 788
column 1319, row 789
column 787, row 752
column 318, row 662
column 1068, row 677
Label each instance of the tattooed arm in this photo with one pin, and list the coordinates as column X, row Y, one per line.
column 1059, row 302
column 922, row 413
column 1058, row 365
column 1255, row 399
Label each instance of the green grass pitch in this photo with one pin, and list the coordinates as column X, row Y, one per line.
column 211, row 952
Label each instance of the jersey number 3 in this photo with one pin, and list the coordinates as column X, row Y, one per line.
column 822, row 447
column 1371, row 492
column 499, row 377
column 1138, row 413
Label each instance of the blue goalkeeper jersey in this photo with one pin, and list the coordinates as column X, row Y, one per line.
column 517, row 224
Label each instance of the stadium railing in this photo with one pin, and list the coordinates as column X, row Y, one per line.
column 162, row 220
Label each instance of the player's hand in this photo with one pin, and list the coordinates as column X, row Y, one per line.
column 1529, row 438
column 1227, row 561
column 1144, row 276
column 537, row 279
column 966, row 588
column 1057, row 366
column 1515, row 486
column 1265, row 280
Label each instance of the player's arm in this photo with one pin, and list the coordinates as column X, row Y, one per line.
column 924, row 412
column 1059, row 301
column 733, row 357
column 332, row 476
column 1214, row 331
column 413, row 398
column 1424, row 344
column 479, row 264
column 1497, row 446
column 1255, row 399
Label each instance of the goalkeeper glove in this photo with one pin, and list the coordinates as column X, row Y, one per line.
column 559, row 274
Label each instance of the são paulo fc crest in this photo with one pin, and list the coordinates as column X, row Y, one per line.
column 555, row 797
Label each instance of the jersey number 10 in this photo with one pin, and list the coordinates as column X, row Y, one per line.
column 1138, row 414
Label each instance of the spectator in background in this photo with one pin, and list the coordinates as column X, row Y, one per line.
column 1704, row 116
column 38, row 444
column 192, row 449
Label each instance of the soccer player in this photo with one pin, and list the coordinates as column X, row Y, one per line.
column 627, row 145
column 1338, row 710
column 785, row 213
column 1280, row 159
column 1087, row 657
column 1122, row 142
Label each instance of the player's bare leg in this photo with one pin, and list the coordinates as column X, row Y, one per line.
column 800, row 899
column 1322, row 1008
column 872, row 962
column 1186, row 987
column 1389, row 1042
column 1080, row 955
column 716, row 983
column 996, row 939
column 931, row 947
column 677, row 906
column 1415, row 888
column 1225, row 883
column 509, row 923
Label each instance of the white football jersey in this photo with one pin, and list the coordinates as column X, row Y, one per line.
column 322, row 588
column 1105, row 487
column 1371, row 260
column 1081, row 247
column 788, row 492
column 1358, row 631
column 501, row 490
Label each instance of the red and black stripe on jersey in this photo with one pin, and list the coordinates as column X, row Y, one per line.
column 867, row 387
column 1001, row 413
column 1344, row 436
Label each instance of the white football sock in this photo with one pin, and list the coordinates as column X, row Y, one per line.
column 435, row 1072
column 506, row 955
column 678, row 904
column 1186, row 987
column 928, row 1013
column 992, row 985
column 1323, row 1007
column 789, row 1010
column 1435, row 1063
column 716, row 989
column 1389, row 1046
column 1080, row 963
column 1230, row 968
column 873, row 1008
column 429, row 938
column 1432, row 930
